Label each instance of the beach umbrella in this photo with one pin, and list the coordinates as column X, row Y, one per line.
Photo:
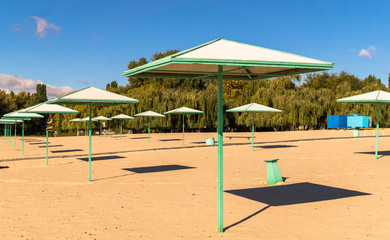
column 149, row 114
column 92, row 96
column 100, row 119
column 77, row 120
column 183, row 111
column 253, row 107
column 22, row 116
column 6, row 122
column 376, row 97
column 122, row 117
column 227, row 60
column 48, row 109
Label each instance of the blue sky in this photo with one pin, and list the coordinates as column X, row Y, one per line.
column 82, row 43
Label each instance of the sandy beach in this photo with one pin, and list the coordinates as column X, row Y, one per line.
column 333, row 189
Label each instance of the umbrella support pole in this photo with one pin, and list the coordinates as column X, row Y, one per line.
column 90, row 144
column 23, row 137
column 220, row 148
column 121, row 128
column 77, row 129
column 183, row 129
column 5, row 132
column 377, row 132
column 148, row 129
column 253, row 128
column 100, row 129
column 15, row 136
column 47, row 146
column 10, row 134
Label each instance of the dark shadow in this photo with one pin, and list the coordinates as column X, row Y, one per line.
column 383, row 153
column 51, row 146
column 101, row 158
column 123, row 175
column 204, row 142
column 275, row 146
column 70, row 150
column 244, row 219
column 37, row 143
column 31, row 140
column 3, row 167
column 295, row 193
column 161, row 168
column 140, row 138
column 169, row 140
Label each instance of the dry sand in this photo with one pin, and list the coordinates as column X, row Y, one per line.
column 335, row 189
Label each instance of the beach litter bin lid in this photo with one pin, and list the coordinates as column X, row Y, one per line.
column 210, row 141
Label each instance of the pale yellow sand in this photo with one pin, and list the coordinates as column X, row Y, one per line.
column 58, row 202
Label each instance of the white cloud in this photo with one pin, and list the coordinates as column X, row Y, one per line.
column 367, row 53
column 43, row 26
column 17, row 83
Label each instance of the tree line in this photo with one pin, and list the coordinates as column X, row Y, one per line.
column 306, row 101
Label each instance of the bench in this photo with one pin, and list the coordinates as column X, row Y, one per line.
column 230, row 138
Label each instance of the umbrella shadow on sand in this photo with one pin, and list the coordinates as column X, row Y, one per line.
column 160, row 168
column 296, row 193
column 276, row 146
column 101, row 158
column 383, row 153
column 170, row 140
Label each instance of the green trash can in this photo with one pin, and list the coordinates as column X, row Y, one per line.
column 356, row 133
column 210, row 141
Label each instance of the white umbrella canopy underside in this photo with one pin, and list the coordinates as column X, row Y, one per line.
column 379, row 96
column 93, row 96
column 86, row 119
column 75, row 120
column 22, row 115
column 184, row 110
column 240, row 62
column 48, row 108
column 122, row 116
column 101, row 118
column 149, row 114
column 253, row 107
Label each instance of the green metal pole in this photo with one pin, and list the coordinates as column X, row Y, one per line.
column 90, row 143
column 220, row 149
column 15, row 136
column 23, row 137
column 10, row 134
column 47, row 146
column 100, row 128
column 377, row 132
column 5, row 131
column 148, row 129
column 253, row 128
column 121, row 128
column 183, row 129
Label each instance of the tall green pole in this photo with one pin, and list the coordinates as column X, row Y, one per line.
column 148, row 129
column 90, row 143
column 100, row 128
column 183, row 129
column 253, row 128
column 220, row 149
column 47, row 146
column 5, row 132
column 121, row 128
column 15, row 135
column 23, row 137
column 10, row 134
column 377, row 132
